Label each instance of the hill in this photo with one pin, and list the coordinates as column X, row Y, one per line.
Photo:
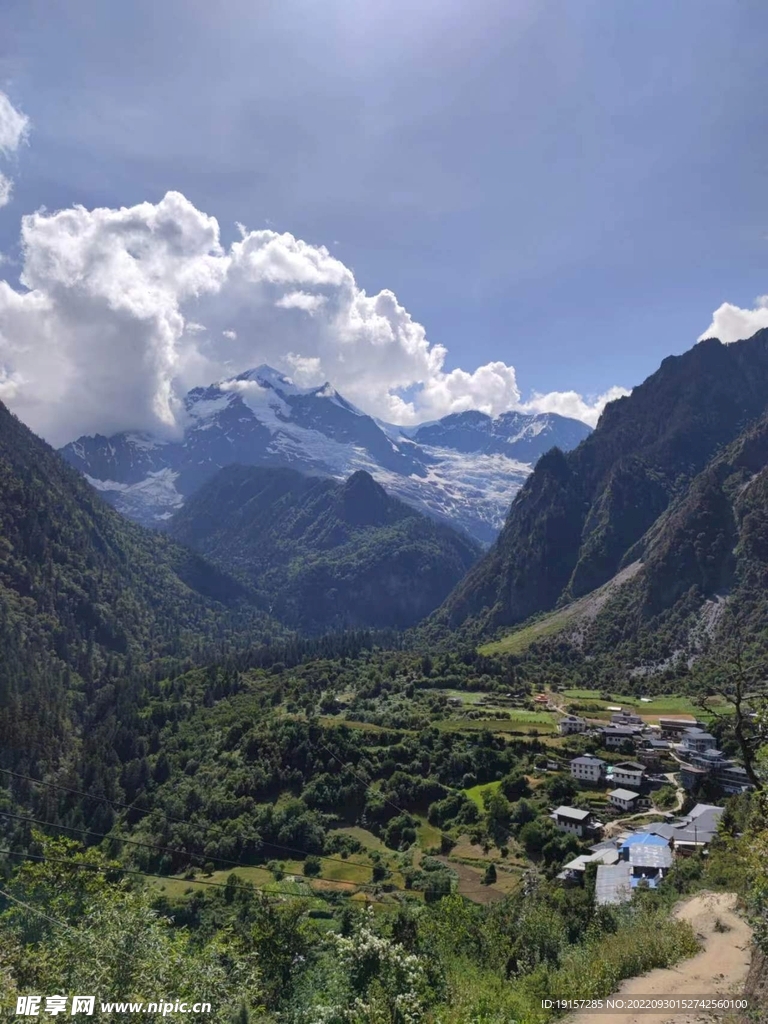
column 86, row 595
column 323, row 554
column 583, row 515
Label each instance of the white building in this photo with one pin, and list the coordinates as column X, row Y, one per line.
column 614, row 736
column 624, row 799
column 698, row 740
column 571, row 819
column 626, row 718
column 629, row 774
column 571, row 724
column 588, row 768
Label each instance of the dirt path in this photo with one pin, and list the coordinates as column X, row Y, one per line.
column 720, row 968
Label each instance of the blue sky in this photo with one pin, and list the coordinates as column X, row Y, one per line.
column 571, row 188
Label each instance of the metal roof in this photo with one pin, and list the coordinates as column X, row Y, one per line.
column 650, row 855
column 587, row 759
column 613, row 884
column 572, row 812
column 623, row 794
column 650, row 838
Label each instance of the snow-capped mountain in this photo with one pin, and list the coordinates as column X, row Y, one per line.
column 463, row 469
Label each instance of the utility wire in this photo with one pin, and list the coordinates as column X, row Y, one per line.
column 138, row 842
column 34, row 910
column 170, row 817
column 249, row 887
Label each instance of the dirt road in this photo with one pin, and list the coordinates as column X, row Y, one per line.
column 720, row 968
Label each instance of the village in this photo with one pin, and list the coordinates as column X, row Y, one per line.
column 627, row 856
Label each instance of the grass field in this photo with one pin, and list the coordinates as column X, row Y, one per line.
column 363, row 836
column 465, row 696
column 429, row 836
column 520, row 721
column 520, row 639
column 475, row 794
column 664, row 704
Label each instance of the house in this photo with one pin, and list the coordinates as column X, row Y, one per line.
column 692, row 831
column 649, row 857
column 571, row 724
column 714, row 767
column 691, row 777
column 588, row 768
column 613, row 884
column 698, row 740
column 574, row 870
column 643, row 860
column 629, row 774
column 674, row 728
column 571, row 819
column 615, row 736
column 624, row 799
column 626, row 718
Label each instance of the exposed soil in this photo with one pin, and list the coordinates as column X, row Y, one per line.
column 471, row 883
column 721, row 968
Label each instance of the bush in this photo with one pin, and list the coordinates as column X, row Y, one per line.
column 312, row 866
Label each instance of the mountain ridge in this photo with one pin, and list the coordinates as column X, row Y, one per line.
column 324, row 554
column 582, row 515
column 462, row 470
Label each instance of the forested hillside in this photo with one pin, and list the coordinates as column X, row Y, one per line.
column 582, row 514
column 87, row 597
column 323, row 554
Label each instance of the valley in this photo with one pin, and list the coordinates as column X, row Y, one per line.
column 271, row 728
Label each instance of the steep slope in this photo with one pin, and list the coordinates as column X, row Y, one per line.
column 324, row 554
column 86, row 595
column 462, row 470
column 580, row 515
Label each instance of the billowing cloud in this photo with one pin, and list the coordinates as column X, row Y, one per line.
column 123, row 310
column 14, row 128
column 732, row 323
column 570, row 403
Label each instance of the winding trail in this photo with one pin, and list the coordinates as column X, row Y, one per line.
column 720, row 968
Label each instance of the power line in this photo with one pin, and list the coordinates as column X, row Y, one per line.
column 213, row 828
column 34, row 910
column 138, row 842
column 171, row 818
column 400, row 810
column 248, row 887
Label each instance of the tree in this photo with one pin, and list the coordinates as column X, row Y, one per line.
column 739, row 683
column 490, row 874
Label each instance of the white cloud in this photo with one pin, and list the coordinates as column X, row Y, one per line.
column 14, row 126
column 301, row 300
column 108, row 335
column 6, row 188
column 14, row 129
column 732, row 323
column 570, row 403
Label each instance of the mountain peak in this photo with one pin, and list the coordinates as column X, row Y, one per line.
column 364, row 502
column 270, row 377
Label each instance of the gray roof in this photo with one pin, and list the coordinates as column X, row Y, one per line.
column 612, row 884
column 572, row 812
column 622, row 730
column 650, row 855
column 664, row 830
column 587, row 759
column 629, row 766
column 601, row 857
column 623, row 794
